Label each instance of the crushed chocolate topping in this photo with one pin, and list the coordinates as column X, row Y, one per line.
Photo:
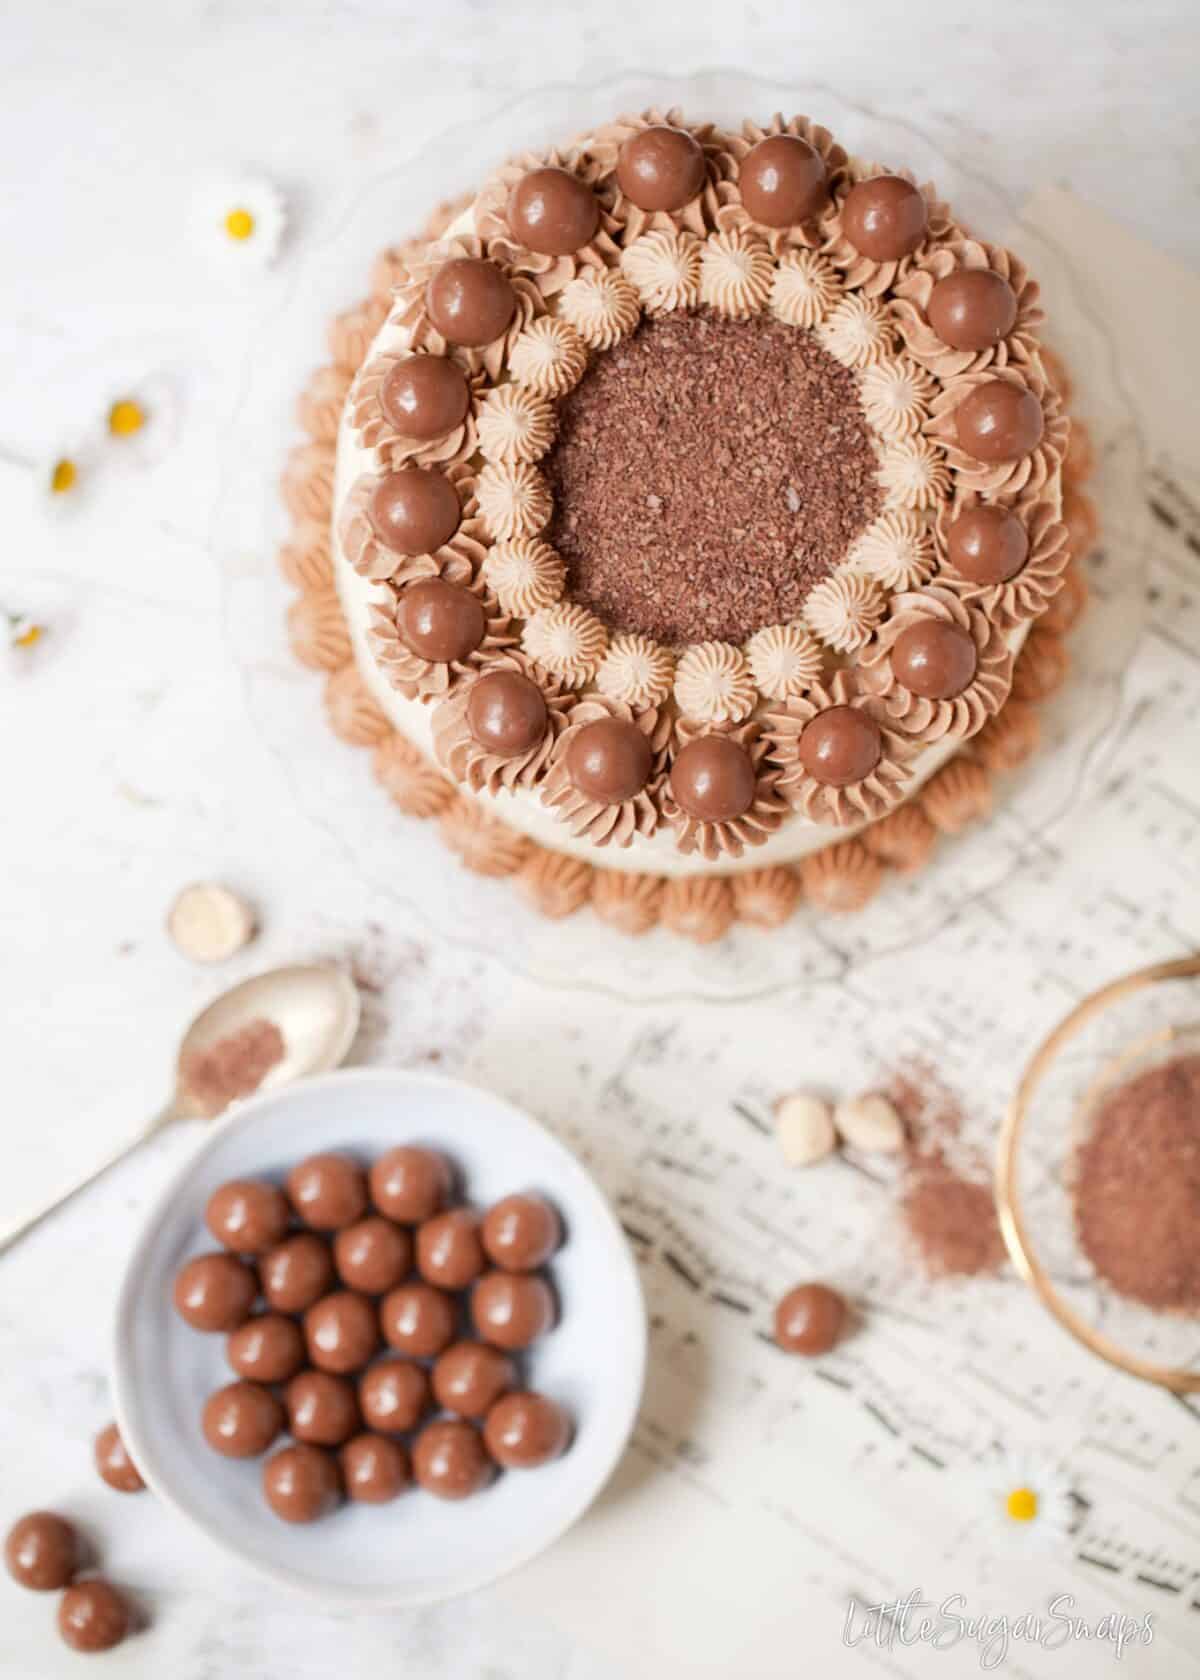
column 708, row 473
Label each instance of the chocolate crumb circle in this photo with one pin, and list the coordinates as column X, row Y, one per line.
column 707, row 475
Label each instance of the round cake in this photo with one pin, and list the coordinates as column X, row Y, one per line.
column 695, row 497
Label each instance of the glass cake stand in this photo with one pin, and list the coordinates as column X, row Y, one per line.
column 404, row 860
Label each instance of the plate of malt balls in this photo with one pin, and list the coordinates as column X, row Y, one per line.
column 383, row 1339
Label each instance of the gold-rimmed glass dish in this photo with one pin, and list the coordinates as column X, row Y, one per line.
column 1126, row 1028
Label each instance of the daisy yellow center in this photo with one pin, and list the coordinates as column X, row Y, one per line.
column 126, row 417
column 29, row 636
column 239, row 224
column 1022, row 1505
column 63, row 477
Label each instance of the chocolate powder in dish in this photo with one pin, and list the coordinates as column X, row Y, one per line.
column 946, row 1196
column 1137, row 1187
column 235, row 1066
column 707, row 474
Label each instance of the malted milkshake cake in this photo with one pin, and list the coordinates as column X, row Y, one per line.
column 683, row 525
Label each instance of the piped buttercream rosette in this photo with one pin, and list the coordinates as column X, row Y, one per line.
column 606, row 770
column 378, row 432
column 1028, row 593
column 372, row 557
column 411, row 306
column 526, row 575
column 430, row 634
column 738, row 147
column 839, row 758
column 863, row 273
column 1024, row 452
column 497, row 730
column 498, row 213
column 921, row 299
column 897, row 550
column 721, row 794
column 697, row 214
column 515, row 424
column 941, row 668
column 664, row 267
column 895, row 396
column 548, row 358
column 736, row 270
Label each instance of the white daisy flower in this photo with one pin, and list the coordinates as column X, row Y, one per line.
column 33, row 626
column 64, row 476
column 241, row 220
column 1029, row 1500
column 59, row 480
column 140, row 416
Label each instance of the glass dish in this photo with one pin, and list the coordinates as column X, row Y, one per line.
column 404, row 860
column 1125, row 1028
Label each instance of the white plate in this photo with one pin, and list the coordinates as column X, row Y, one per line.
column 418, row 1549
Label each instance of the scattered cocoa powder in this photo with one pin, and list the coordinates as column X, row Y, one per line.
column 946, row 1196
column 707, row 474
column 1136, row 1182
column 234, row 1066
column 952, row 1220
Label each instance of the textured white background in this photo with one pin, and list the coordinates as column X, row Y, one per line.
column 127, row 765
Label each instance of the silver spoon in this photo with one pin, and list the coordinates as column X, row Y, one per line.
column 316, row 1009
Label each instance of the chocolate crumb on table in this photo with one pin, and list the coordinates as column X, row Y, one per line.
column 946, row 1200
column 708, row 473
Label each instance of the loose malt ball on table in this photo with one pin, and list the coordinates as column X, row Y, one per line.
column 93, row 1616
column 113, row 1463
column 41, row 1551
column 809, row 1319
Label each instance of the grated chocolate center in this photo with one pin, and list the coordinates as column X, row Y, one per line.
column 707, row 474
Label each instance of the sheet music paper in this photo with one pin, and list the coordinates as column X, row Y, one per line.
column 763, row 1493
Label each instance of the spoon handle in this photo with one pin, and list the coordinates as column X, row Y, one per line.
column 95, row 1171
